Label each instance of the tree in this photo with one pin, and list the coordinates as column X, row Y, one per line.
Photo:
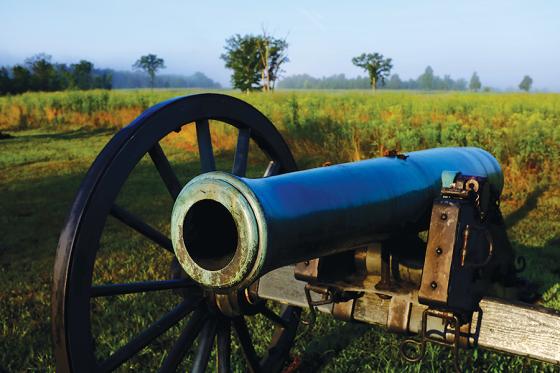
column 103, row 80
column 150, row 64
column 43, row 73
column 82, row 75
column 272, row 55
column 426, row 80
column 475, row 84
column 447, row 82
column 242, row 56
column 21, row 79
column 256, row 61
column 526, row 83
column 460, row 85
column 5, row 81
column 377, row 67
column 394, row 82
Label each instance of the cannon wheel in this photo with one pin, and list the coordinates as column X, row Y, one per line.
column 73, row 289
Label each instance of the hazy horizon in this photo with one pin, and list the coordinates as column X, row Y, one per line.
column 501, row 41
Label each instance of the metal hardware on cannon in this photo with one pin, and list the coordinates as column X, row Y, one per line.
column 459, row 247
column 413, row 242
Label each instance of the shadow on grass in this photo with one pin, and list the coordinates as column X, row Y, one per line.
column 323, row 347
column 529, row 205
column 34, row 222
column 5, row 136
column 74, row 134
column 543, row 263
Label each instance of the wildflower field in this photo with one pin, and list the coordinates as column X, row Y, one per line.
column 53, row 138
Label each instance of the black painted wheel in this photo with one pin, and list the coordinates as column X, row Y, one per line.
column 204, row 317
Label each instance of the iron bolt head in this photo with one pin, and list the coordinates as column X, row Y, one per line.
column 443, row 216
column 433, row 285
column 439, row 251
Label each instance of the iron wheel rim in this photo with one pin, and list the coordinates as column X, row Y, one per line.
column 79, row 240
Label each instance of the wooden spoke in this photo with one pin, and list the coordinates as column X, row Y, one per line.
column 108, row 290
column 272, row 169
column 224, row 346
column 141, row 227
column 185, row 341
column 165, row 171
column 147, row 336
column 205, row 342
column 244, row 337
column 269, row 314
column 241, row 152
column 205, row 151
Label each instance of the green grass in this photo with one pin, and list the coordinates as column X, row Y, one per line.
column 40, row 171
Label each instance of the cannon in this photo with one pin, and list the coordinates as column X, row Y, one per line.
column 414, row 242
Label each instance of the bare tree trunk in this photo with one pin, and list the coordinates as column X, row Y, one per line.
column 373, row 83
column 264, row 62
column 152, row 80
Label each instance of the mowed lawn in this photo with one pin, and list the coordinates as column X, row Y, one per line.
column 40, row 172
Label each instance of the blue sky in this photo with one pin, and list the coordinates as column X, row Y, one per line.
column 501, row 40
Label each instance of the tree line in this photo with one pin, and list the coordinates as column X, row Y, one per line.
column 426, row 81
column 256, row 62
column 40, row 73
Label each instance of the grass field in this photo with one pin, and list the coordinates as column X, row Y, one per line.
column 56, row 137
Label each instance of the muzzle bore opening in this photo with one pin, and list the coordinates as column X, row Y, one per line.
column 210, row 234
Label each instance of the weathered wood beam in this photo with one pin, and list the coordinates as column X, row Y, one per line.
column 515, row 328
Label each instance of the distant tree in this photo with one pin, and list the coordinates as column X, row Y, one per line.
column 256, row 61
column 243, row 57
column 394, row 82
column 338, row 81
column 272, row 55
column 82, row 75
column 21, row 79
column 5, row 81
column 150, row 64
column 377, row 67
column 448, row 83
column 63, row 76
column 43, row 73
column 103, row 80
column 460, row 85
column 475, row 84
column 426, row 80
column 526, row 83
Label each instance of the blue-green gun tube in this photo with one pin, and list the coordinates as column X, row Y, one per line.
column 227, row 231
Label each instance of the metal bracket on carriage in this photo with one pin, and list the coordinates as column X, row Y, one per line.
column 459, row 246
column 341, row 299
column 444, row 328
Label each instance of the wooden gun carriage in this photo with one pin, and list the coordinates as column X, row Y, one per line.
column 342, row 239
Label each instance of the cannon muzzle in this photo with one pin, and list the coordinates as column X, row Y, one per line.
column 227, row 231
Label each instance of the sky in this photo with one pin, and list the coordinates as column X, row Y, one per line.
column 501, row 40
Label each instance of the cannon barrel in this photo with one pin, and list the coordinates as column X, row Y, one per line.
column 227, row 231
